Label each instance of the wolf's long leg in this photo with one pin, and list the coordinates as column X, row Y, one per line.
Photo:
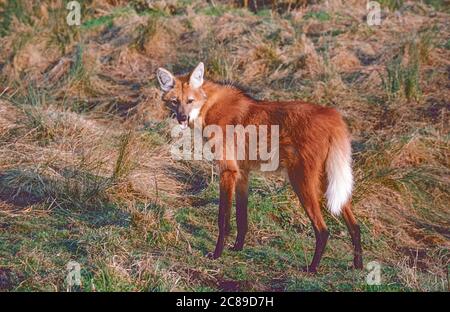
column 241, row 211
column 355, row 234
column 305, row 184
column 227, row 185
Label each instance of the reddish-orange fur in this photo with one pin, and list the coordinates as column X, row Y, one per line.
column 306, row 134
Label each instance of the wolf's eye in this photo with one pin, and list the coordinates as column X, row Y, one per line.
column 189, row 101
column 174, row 101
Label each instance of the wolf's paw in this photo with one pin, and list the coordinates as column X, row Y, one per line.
column 211, row 255
column 236, row 247
column 308, row 269
column 358, row 264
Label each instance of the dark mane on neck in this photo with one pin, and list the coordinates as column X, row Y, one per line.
column 245, row 91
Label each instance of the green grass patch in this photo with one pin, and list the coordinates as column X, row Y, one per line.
column 392, row 4
column 321, row 16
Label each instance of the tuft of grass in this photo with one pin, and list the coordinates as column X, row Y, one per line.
column 61, row 34
column 403, row 80
column 264, row 13
column 145, row 33
column 79, row 75
column 321, row 16
column 392, row 4
column 77, row 70
column 268, row 53
column 447, row 44
column 106, row 20
column 123, row 164
column 411, row 81
column 215, row 9
column 441, row 5
column 219, row 66
column 10, row 10
column 423, row 45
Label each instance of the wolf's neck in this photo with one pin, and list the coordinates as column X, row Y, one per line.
column 222, row 94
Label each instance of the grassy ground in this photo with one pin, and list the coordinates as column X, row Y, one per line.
column 85, row 169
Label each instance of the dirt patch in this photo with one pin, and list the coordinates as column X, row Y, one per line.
column 435, row 109
column 416, row 257
column 6, row 279
column 231, row 285
column 277, row 285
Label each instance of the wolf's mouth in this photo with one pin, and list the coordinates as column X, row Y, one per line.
column 184, row 124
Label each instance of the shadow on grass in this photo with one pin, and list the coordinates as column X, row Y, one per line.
column 195, row 182
column 78, row 196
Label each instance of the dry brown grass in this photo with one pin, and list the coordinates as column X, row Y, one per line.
column 82, row 128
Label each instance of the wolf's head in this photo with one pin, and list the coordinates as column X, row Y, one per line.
column 184, row 94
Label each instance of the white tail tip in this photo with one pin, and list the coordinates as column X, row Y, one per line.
column 340, row 177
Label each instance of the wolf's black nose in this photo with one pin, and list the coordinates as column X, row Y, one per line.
column 182, row 118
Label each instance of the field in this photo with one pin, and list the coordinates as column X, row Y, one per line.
column 86, row 172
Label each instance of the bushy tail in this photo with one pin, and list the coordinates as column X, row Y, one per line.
column 339, row 173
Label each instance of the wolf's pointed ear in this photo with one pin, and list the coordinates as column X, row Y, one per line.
column 165, row 79
column 196, row 80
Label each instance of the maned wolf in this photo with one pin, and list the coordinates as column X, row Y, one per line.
column 314, row 151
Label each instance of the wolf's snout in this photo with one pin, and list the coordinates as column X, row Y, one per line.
column 182, row 120
column 182, row 117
